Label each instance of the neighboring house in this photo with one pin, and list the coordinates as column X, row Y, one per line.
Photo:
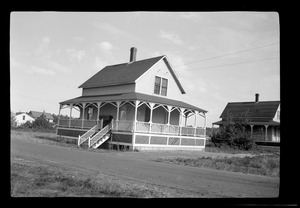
column 36, row 114
column 22, row 118
column 138, row 104
column 264, row 118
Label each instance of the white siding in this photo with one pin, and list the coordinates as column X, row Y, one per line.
column 20, row 120
column 126, row 88
column 145, row 84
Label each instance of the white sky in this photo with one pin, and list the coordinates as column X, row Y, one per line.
column 219, row 57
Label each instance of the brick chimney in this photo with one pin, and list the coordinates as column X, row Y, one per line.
column 133, row 52
column 256, row 97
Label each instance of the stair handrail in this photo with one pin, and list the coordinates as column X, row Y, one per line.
column 99, row 135
column 86, row 135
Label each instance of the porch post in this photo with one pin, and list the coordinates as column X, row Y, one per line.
column 71, row 106
column 266, row 136
column 205, row 116
column 83, row 108
column 58, row 114
column 117, row 118
column 251, row 133
column 135, row 113
column 181, row 121
column 118, row 109
column 195, row 123
column 169, row 116
column 151, row 113
column 98, row 112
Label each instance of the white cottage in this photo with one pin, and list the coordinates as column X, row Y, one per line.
column 22, row 118
column 134, row 105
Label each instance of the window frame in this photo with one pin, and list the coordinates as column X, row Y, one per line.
column 159, row 87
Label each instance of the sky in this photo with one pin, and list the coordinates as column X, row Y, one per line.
column 219, row 57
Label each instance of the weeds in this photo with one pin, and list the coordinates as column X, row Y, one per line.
column 43, row 181
column 260, row 165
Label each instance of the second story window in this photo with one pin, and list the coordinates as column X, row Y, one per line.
column 160, row 86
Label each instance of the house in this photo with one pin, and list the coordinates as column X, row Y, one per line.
column 134, row 105
column 22, row 117
column 264, row 118
column 36, row 114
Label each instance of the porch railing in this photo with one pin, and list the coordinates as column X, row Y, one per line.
column 142, row 127
column 77, row 123
column 127, row 126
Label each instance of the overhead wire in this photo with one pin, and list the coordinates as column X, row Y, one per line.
column 228, row 54
column 239, row 63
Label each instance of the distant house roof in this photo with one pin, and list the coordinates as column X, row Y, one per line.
column 133, row 96
column 259, row 113
column 36, row 114
column 260, row 109
column 125, row 73
column 271, row 123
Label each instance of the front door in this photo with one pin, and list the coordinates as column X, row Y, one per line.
column 106, row 119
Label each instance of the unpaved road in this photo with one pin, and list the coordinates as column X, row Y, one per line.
column 139, row 166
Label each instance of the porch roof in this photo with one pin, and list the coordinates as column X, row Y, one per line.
column 270, row 123
column 132, row 97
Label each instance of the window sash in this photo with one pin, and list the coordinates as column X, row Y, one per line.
column 160, row 86
column 164, row 87
column 157, row 85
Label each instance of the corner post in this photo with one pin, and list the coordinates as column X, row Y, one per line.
column 195, row 123
column 83, row 109
column 59, row 114
column 251, row 134
column 71, row 106
column 151, row 114
column 266, row 136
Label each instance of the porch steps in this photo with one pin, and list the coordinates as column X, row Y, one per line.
column 101, row 141
column 100, row 137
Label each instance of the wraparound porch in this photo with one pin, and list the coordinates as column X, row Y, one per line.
column 137, row 123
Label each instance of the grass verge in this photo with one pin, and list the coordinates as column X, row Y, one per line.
column 32, row 178
column 267, row 165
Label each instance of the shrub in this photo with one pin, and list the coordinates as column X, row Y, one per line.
column 234, row 134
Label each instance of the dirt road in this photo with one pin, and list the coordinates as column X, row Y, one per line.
column 139, row 166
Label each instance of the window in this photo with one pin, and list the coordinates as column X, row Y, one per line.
column 164, row 86
column 278, row 115
column 160, row 86
column 23, row 118
column 157, row 85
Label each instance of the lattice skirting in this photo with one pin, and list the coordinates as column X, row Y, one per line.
column 168, row 141
column 124, row 138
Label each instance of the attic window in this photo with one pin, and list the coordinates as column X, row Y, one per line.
column 160, row 86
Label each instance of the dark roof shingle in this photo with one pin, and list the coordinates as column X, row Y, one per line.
column 36, row 114
column 262, row 109
column 124, row 73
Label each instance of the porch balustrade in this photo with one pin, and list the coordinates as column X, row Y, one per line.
column 123, row 126
column 141, row 127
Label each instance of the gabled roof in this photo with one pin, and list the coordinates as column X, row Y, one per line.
column 259, row 110
column 131, row 97
column 36, row 114
column 125, row 73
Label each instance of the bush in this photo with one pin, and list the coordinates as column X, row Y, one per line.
column 41, row 123
column 234, row 134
